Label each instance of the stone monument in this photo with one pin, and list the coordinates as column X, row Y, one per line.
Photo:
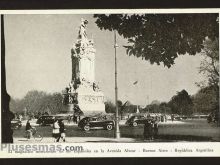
column 83, row 94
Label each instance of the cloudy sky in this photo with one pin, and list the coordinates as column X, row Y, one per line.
column 38, row 58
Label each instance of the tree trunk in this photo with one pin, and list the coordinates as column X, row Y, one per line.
column 7, row 115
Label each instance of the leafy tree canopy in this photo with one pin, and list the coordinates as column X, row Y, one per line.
column 160, row 38
column 155, row 102
column 205, row 100
column 181, row 103
column 109, row 107
column 210, row 64
column 38, row 102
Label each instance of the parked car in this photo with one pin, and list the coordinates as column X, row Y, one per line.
column 45, row 120
column 15, row 124
column 180, row 117
column 136, row 120
column 94, row 122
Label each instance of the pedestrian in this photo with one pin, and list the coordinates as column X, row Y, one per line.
column 56, row 131
column 69, row 119
column 165, row 117
column 28, row 129
column 162, row 118
column 20, row 117
column 147, row 129
column 209, row 119
column 172, row 117
column 75, row 119
column 151, row 130
column 155, row 130
column 62, row 131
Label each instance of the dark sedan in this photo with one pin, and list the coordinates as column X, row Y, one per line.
column 16, row 124
column 94, row 122
column 136, row 120
column 45, row 120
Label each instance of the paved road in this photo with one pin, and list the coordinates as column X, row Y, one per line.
column 189, row 130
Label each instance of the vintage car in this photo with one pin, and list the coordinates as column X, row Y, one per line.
column 95, row 122
column 136, row 120
column 45, row 120
column 15, row 124
column 49, row 119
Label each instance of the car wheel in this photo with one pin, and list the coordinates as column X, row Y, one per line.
column 86, row 128
column 38, row 137
column 135, row 124
column 109, row 127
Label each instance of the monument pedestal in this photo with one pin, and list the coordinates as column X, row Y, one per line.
column 89, row 100
column 70, row 108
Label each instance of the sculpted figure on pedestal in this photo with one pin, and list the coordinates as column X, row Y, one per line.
column 83, row 55
column 82, row 37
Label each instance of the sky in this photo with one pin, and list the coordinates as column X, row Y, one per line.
column 38, row 57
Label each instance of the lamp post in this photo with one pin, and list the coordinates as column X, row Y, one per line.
column 148, row 104
column 135, row 84
column 117, row 131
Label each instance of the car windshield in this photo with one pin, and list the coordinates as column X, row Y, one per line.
column 85, row 119
column 131, row 118
column 93, row 119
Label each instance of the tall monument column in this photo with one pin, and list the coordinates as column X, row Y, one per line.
column 83, row 92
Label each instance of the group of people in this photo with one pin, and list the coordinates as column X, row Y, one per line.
column 59, row 130
column 74, row 118
column 150, row 129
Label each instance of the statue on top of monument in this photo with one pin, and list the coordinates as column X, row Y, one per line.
column 83, row 46
column 83, row 41
column 83, row 58
column 82, row 29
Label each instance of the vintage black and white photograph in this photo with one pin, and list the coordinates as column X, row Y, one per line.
column 110, row 78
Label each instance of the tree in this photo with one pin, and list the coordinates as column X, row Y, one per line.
column 210, row 68
column 205, row 100
column 53, row 103
column 36, row 103
column 16, row 105
column 181, row 103
column 152, row 108
column 33, row 101
column 128, row 107
column 109, row 107
column 121, row 107
column 164, row 108
column 155, row 102
column 160, row 38
column 210, row 64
